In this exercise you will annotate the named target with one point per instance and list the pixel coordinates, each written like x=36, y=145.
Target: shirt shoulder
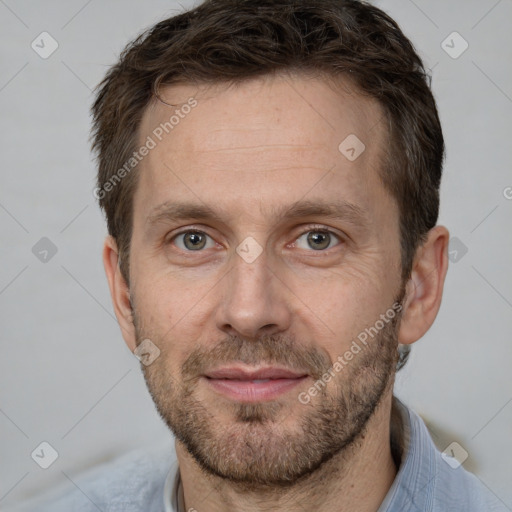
x=458, y=489
x=427, y=482
x=133, y=482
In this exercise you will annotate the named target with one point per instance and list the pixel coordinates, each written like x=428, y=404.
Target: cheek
x=166, y=299
x=340, y=306
x=171, y=317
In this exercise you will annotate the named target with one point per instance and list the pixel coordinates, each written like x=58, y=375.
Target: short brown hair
x=231, y=41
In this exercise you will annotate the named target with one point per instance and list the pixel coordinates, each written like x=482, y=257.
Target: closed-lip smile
x=246, y=384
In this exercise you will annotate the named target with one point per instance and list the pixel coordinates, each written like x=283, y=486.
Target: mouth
x=245, y=384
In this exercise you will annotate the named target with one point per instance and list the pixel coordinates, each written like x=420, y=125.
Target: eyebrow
x=337, y=210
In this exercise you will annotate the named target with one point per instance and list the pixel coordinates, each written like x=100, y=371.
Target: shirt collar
x=412, y=487
x=173, y=490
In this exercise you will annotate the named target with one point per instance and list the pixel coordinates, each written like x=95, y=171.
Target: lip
x=241, y=373
x=253, y=385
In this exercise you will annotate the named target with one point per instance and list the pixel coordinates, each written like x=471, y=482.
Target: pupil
x=321, y=240
x=194, y=239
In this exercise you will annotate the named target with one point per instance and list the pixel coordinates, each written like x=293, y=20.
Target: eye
x=317, y=239
x=192, y=240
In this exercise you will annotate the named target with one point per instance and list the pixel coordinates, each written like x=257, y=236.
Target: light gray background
x=66, y=376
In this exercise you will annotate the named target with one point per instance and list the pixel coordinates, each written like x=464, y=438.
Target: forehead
x=272, y=137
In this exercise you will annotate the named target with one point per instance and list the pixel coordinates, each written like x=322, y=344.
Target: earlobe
x=424, y=289
x=119, y=292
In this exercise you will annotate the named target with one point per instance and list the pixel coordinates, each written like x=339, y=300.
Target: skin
x=246, y=151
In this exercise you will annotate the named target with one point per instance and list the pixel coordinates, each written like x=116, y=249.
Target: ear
x=424, y=289
x=119, y=291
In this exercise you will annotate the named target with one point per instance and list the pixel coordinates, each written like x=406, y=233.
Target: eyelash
x=310, y=229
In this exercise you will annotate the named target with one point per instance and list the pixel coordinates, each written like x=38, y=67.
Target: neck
x=357, y=479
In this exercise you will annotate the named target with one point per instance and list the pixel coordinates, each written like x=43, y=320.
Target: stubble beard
x=254, y=449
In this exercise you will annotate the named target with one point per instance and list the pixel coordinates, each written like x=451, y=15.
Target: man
x=270, y=175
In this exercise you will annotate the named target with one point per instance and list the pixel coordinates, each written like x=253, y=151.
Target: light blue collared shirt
x=426, y=482
x=149, y=481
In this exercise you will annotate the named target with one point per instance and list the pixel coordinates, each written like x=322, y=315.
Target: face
x=262, y=253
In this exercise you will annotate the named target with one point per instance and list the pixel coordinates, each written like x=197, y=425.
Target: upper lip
x=237, y=373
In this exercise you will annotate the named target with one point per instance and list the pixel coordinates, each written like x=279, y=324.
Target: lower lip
x=249, y=391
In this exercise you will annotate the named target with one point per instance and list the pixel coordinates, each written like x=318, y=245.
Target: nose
x=253, y=300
